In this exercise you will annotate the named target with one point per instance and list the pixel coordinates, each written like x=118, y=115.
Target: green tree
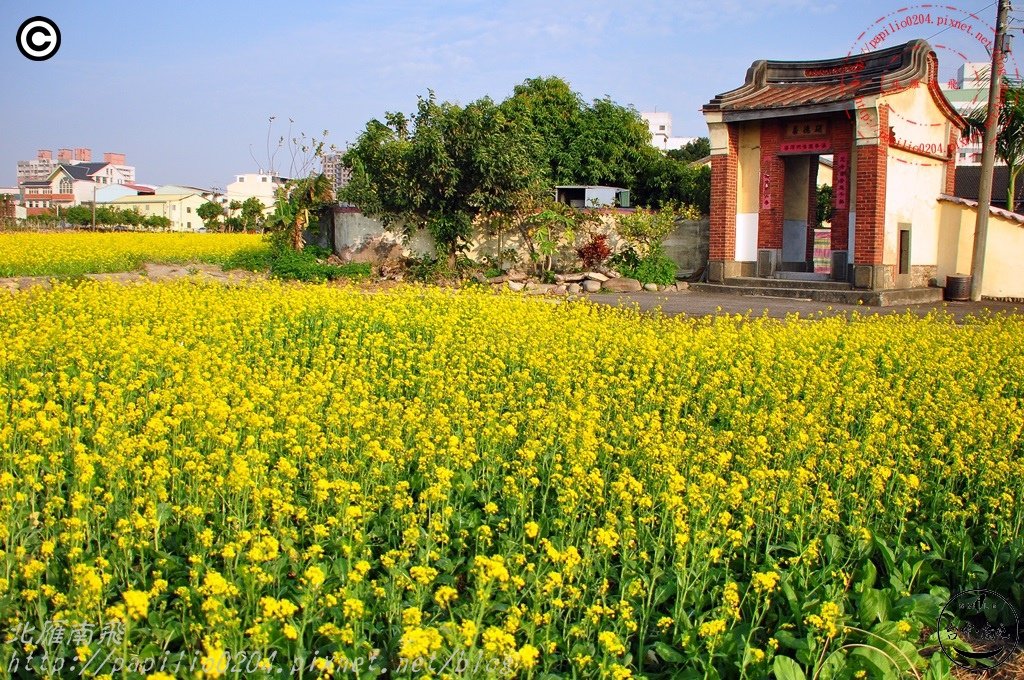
x=599, y=143
x=692, y=151
x=443, y=169
x=252, y=214
x=297, y=202
x=211, y=213
x=1009, y=139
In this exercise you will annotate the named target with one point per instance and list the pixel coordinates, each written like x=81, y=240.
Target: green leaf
x=874, y=606
x=938, y=667
x=869, y=573
x=787, y=669
x=668, y=653
x=790, y=641
x=877, y=664
x=833, y=667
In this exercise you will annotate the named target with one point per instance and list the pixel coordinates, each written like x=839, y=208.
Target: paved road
x=703, y=304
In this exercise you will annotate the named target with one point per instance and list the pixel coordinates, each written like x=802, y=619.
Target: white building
x=660, y=125
x=181, y=209
x=258, y=184
x=968, y=93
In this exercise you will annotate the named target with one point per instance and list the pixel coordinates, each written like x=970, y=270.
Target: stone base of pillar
x=873, y=276
x=769, y=260
x=720, y=270
x=840, y=260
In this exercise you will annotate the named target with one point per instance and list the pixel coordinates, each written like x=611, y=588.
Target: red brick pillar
x=842, y=150
x=954, y=141
x=872, y=163
x=771, y=210
x=722, y=228
x=812, y=208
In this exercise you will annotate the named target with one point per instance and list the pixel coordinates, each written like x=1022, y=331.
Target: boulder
x=559, y=289
x=682, y=285
x=513, y=275
x=596, y=276
x=651, y=287
x=516, y=286
x=591, y=286
x=569, y=278
x=538, y=288
x=623, y=285
x=574, y=288
x=498, y=279
x=612, y=274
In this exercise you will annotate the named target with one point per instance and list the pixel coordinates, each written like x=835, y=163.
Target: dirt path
x=149, y=272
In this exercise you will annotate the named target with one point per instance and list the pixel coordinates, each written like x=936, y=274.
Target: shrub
x=654, y=267
x=595, y=251
x=286, y=263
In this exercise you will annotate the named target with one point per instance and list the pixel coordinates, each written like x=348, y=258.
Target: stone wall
x=363, y=238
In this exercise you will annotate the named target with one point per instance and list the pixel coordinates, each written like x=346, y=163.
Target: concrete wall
x=687, y=246
x=1004, y=254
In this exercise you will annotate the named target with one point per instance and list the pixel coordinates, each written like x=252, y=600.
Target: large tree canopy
x=448, y=165
x=443, y=168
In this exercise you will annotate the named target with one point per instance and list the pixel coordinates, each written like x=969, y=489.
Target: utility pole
x=988, y=153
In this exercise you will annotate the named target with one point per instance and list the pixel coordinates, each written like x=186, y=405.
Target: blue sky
x=186, y=89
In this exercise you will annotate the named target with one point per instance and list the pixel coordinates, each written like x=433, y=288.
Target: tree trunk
x=452, y=256
x=297, y=226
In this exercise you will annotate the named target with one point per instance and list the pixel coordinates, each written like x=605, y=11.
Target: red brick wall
x=771, y=210
x=722, y=229
x=842, y=142
x=871, y=184
x=954, y=138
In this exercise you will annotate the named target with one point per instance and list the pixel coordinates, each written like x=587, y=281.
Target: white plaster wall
x=1004, y=252
x=746, y=237
x=912, y=183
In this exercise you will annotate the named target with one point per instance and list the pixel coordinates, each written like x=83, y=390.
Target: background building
x=336, y=171
x=43, y=165
x=660, y=125
x=254, y=184
x=180, y=209
x=968, y=93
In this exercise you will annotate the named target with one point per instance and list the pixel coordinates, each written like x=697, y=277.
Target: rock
x=559, y=289
x=513, y=275
x=595, y=276
x=479, y=278
x=497, y=287
x=682, y=285
x=498, y=279
x=671, y=288
x=574, y=288
x=516, y=285
x=623, y=285
x=538, y=288
x=591, y=286
x=651, y=287
x=569, y=278
x=612, y=274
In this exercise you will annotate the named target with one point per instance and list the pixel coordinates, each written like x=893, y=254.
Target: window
x=263, y=179
x=188, y=210
x=661, y=127
x=904, y=248
x=241, y=179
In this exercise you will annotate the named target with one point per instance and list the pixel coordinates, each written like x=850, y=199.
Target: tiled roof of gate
x=775, y=85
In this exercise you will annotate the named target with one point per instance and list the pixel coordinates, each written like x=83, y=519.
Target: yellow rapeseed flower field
x=76, y=253
x=304, y=481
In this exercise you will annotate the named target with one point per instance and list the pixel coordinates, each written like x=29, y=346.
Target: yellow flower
x=137, y=603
